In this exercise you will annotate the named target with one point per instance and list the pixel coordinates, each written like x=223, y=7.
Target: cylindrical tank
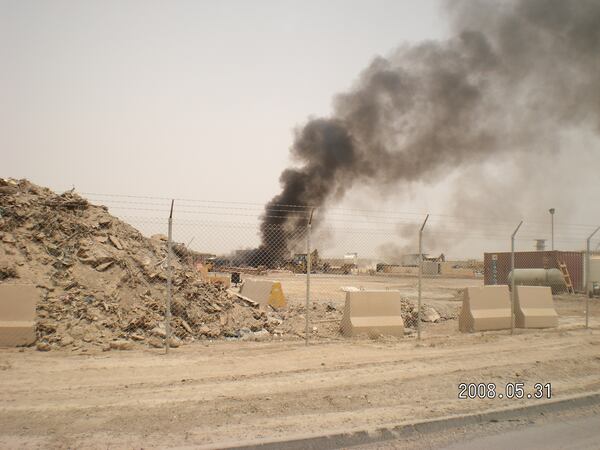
x=539, y=277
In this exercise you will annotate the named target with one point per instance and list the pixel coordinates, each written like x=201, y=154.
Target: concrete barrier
x=485, y=308
x=17, y=314
x=534, y=307
x=372, y=312
x=264, y=292
x=223, y=279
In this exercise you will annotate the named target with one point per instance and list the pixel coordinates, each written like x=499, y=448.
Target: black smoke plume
x=513, y=76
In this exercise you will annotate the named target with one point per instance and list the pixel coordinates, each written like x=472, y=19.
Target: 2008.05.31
x=509, y=391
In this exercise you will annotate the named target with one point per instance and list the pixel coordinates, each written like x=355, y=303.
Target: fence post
x=588, y=290
x=169, y=281
x=512, y=278
x=420, y=277
x=308, y=269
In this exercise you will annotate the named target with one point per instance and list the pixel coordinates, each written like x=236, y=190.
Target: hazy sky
x=199, y=99
x=180, y=98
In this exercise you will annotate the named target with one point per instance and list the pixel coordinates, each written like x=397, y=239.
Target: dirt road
x=230, y=391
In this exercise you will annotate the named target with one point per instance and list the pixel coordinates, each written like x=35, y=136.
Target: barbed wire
x=260, y=208
x=489, y=230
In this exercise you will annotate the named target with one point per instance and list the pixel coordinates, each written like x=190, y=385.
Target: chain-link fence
x=226, y=270
x=353, y=274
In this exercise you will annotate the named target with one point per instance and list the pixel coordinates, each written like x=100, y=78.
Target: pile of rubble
x=102, y=282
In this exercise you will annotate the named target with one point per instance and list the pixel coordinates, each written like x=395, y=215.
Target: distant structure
x=540, y=245
x=351, y=258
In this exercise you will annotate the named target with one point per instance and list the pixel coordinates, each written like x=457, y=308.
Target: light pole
x=551, y=211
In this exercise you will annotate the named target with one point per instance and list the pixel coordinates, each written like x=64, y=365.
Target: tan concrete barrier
x=372, y=312
x=485, y=308
x=534, y=307
x=223, y=279
x=264, y=292
x=17, y=314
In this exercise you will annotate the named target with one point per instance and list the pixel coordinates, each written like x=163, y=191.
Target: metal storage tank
x=552, y=278
x=594, y=271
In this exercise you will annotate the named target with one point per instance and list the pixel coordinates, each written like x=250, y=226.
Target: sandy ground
x=444, y=294
x=326, y=287
x=222, y=392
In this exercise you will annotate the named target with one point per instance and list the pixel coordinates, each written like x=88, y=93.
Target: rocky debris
x=103, y=283
x=429, y=313
x=248, y=335
x=7, y=271
x=102, y=267
x=8, y=238
x=66, y=340
x=43, y=347
x=121, y=344
x=115, y=241
x=156, y=342
x=447, y=311
x=8, y=186
x=174, y=342
x=159, y=331
x=329, y=306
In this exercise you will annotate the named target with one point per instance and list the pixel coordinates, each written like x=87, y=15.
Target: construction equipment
x=565, y=272
x=209, y=263
x=340, y=269
x=299, y=261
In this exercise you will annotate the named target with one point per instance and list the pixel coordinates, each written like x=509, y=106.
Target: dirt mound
x=102, y=281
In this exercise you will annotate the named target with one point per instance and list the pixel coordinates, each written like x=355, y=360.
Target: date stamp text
x=509, y=391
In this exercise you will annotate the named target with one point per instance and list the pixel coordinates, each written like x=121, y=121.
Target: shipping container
x=497, y=265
